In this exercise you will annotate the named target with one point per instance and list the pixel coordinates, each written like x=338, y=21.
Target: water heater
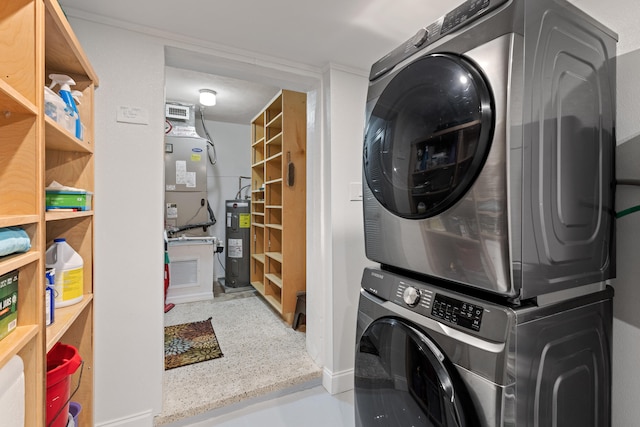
x=237, y=251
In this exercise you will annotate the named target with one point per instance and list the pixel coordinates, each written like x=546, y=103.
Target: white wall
x=129, y=209
x=346, y=95
x=128, y=226
x=626, y=327
x=233, y=150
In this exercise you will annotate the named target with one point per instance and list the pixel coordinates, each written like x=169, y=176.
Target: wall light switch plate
x=355, y=191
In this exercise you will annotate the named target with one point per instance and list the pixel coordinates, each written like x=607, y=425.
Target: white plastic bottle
x=65, y=83
x=69, y=266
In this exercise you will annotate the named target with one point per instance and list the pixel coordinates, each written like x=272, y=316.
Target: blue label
x=197, y=150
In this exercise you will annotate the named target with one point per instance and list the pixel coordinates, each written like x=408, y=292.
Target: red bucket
x=62, y=362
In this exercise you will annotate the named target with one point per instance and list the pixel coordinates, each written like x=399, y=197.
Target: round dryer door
x=428, y=136
x=402, y=379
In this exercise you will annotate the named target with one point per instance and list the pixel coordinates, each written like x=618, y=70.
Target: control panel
x=454, y=20
x=413, y=296
x=442, y=307
x=451, y=310
x=438, y=303
x=462, y=14
x=457, y=312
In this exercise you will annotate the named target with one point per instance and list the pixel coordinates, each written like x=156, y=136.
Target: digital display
x=462, y=13
x=457, y=312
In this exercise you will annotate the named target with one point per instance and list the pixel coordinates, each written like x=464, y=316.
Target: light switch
x=355, y=191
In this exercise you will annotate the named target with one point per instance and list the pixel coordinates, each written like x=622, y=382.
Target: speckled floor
x=262, y=354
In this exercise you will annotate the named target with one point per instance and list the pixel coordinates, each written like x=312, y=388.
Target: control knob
x=411, y=296
x=420, y=37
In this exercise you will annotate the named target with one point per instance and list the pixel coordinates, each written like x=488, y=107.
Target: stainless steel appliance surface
x=186, y=198
x=489, y=148
x=427, y=355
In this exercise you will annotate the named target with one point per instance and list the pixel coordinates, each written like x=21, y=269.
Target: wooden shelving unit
x=34, y=150
x=278, y=253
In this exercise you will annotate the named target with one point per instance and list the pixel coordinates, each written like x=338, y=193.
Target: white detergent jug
x=69, y=267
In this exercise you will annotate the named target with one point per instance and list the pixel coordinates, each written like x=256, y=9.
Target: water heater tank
x=237, y=250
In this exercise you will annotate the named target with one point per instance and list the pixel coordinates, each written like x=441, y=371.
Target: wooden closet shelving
x=34, y=150
x=278, y=224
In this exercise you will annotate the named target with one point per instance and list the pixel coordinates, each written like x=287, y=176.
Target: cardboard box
x=59, y=199
x=8, y=303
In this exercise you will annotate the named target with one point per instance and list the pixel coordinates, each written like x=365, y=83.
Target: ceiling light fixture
x=208, y=97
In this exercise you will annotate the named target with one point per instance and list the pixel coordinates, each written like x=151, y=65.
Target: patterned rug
x=190, y=343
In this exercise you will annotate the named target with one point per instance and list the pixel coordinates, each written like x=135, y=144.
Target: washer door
x=402, y=379
x=428, y=136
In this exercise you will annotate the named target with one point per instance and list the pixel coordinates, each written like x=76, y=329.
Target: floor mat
x=190, y=343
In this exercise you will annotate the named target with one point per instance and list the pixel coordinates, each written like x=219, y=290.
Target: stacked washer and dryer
x=488, y=188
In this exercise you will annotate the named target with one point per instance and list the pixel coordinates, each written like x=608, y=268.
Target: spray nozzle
x=76, y=94
x=61, y=79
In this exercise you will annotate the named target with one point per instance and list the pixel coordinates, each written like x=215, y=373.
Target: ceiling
x=238, y=101
x=311, y=34
x=300, y=33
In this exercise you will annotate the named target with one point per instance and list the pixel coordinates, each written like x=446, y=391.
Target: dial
x=411, y=296
x=420, y=37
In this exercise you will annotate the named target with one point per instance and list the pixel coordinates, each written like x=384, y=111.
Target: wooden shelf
x=15, y=220
x=64, y=319
x=276, y=157
x=70, y=161
x=259, y=286
x=279, y=134
x=275, y=279
x=274, y=255
x=34, y=150
x=276, y=121
x=14, y=102
x=13, y=343
x=63, y=51
x=258, y=257
x=58, y=216
x=15, y=262
x=59, y=139
x=275, y=140
x=274, y=302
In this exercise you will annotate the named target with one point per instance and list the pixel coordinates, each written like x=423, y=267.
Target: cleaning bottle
x=69, y=268
x=65, y=83
x=76, y=95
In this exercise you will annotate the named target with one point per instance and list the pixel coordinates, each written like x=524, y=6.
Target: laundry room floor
x=262, y=355
x=311, y=407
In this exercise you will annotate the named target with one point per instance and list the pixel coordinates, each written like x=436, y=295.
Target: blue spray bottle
x=65, y=83
x=76, y=94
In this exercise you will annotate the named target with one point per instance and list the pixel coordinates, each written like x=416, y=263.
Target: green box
x=8, y=303
x=80, y=200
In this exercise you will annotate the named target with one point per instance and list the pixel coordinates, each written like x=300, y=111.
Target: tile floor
x=311, y=407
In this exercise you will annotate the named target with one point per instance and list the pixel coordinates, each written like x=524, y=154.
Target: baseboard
x=337, y=382
x=190, y=297
x=142, y=419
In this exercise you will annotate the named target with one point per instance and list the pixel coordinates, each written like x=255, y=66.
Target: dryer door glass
x=428, y=136
x=402, y=379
